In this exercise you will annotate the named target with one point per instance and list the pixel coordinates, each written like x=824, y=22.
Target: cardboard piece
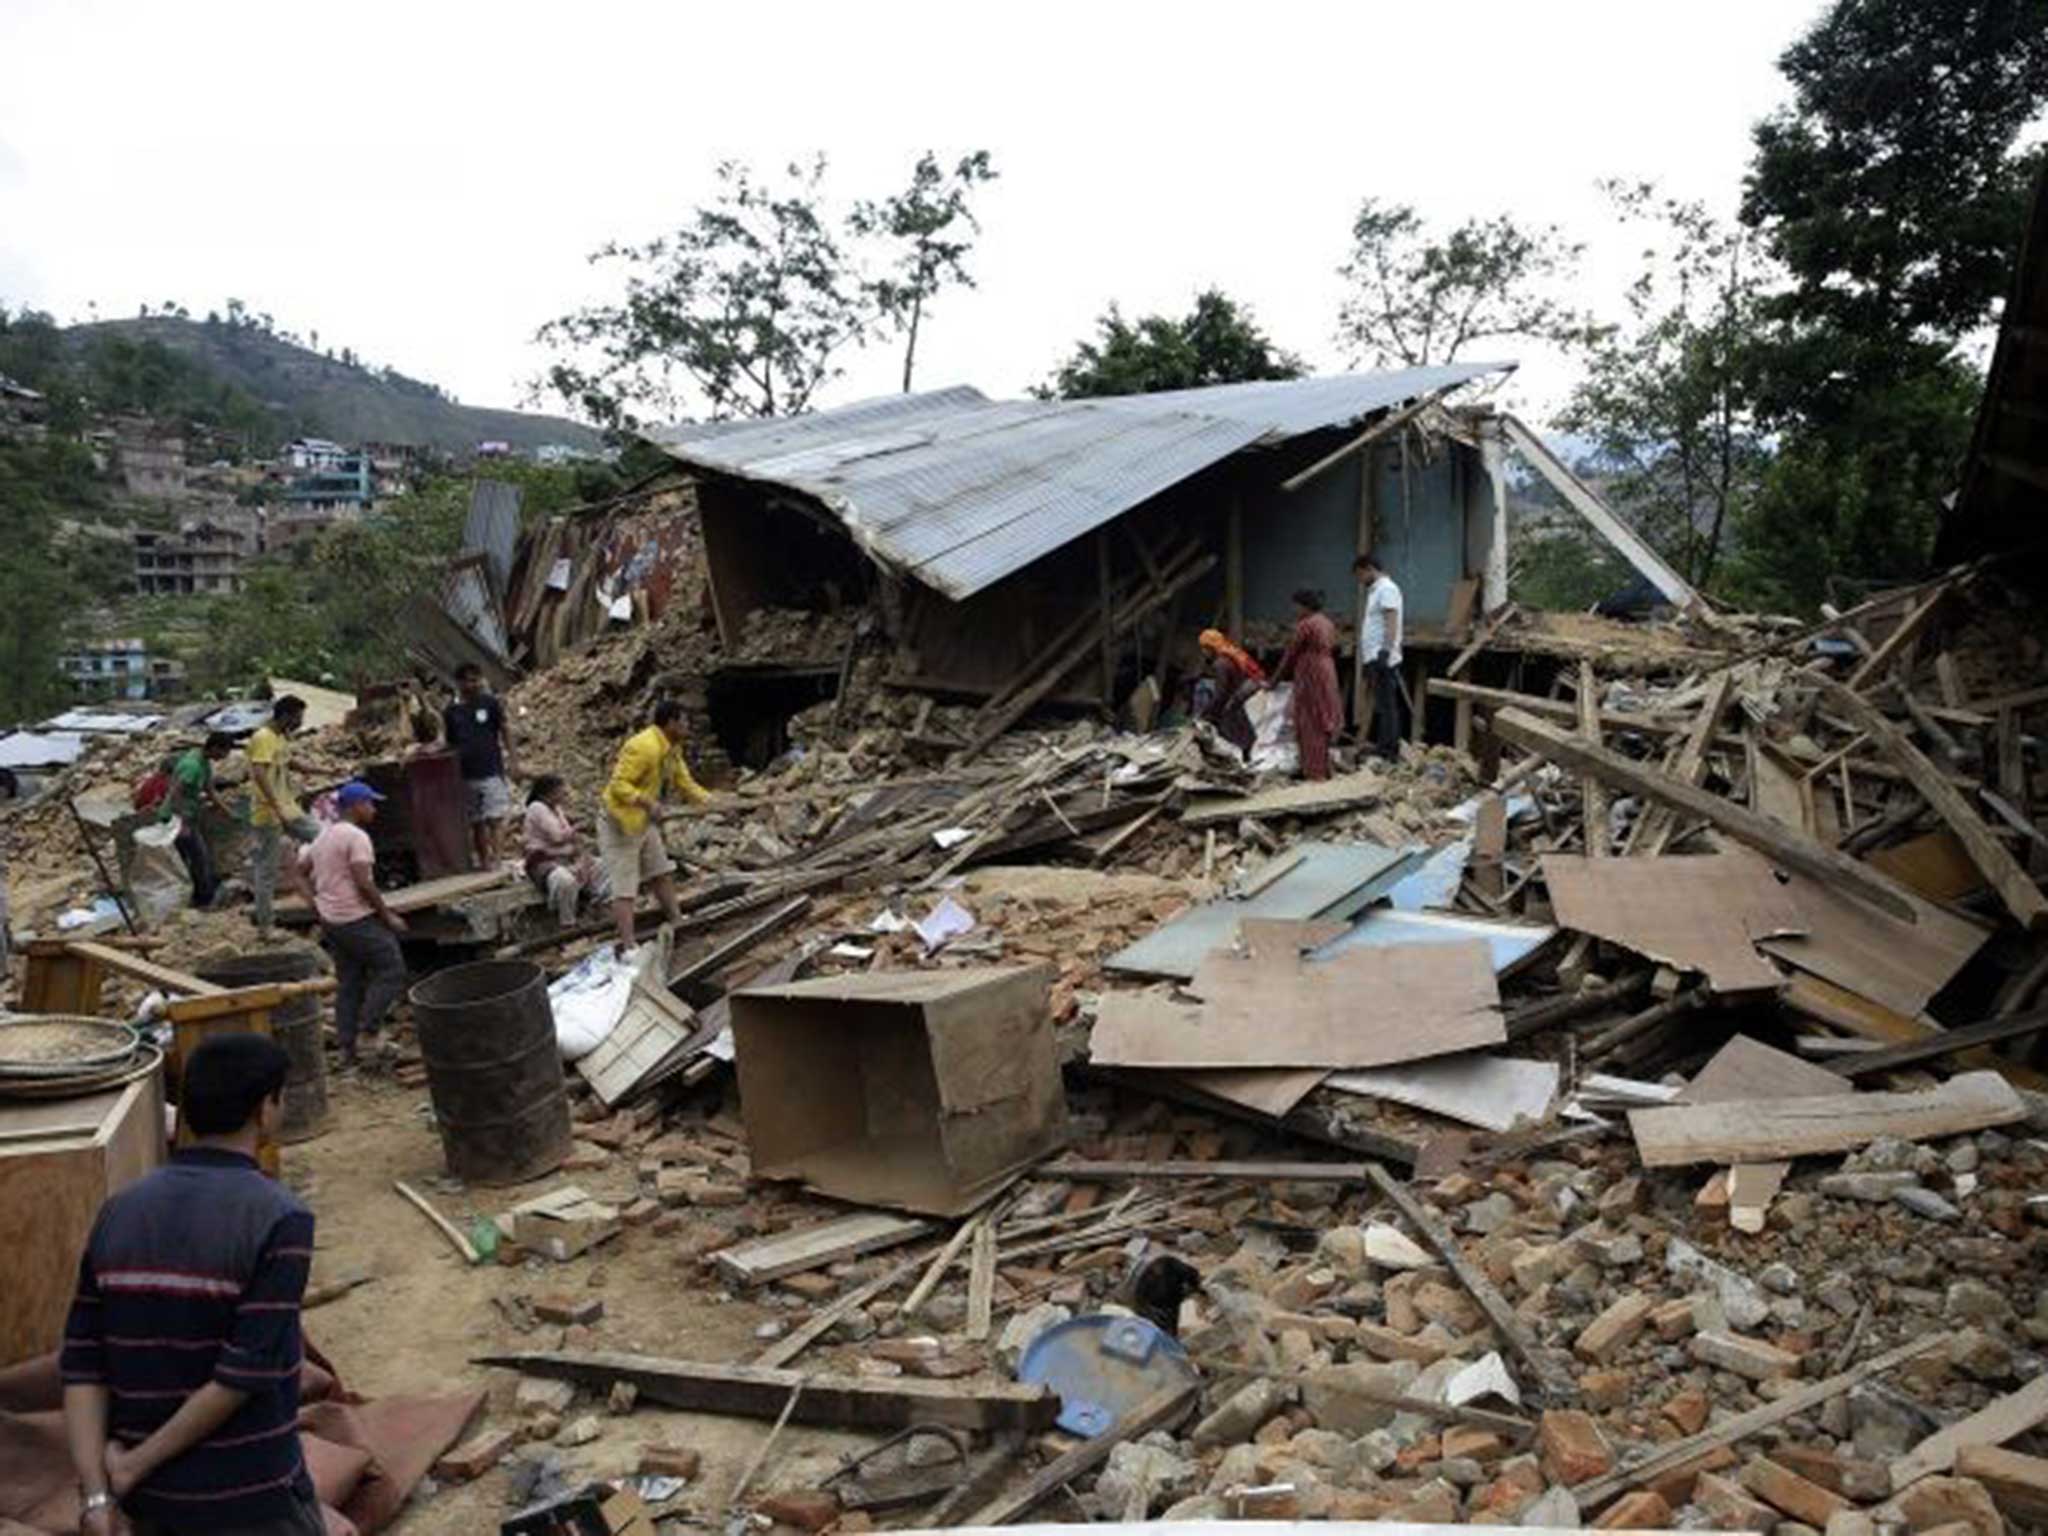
x=1266, y=1092
x=925, y=1090
x=1492, y=1092
x=1744, y=1070
x=1367, y=1007
x=1700, y=914
x=1889, y=961
x=1774, y=1129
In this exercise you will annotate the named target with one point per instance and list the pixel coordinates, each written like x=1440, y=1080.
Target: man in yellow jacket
x=629, y=837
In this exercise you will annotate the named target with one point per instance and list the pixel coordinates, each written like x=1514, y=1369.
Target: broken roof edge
x=959, y=491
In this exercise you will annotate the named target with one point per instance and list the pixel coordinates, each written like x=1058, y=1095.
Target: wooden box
x=58, y=1161
x=925, y=1090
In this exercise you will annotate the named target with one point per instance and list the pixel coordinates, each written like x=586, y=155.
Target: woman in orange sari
x=1311, y=662
x=1233, y=677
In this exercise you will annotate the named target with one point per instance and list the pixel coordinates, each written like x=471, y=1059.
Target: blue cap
x=355, y=792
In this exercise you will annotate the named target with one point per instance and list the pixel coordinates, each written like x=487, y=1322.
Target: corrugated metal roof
x=959, y=490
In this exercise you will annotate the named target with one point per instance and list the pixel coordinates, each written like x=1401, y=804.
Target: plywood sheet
x=1492, y=1092
x=1332, y=880
x=1782, y=1128
x=1702, y=914
x=1886, y=959
x=1365, y=1008
x=1264, y=1091
x=1934, y=864
x=1746, y=1069
x=1310, y=797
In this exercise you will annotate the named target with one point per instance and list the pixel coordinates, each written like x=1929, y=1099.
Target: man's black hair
x=1367, y=562
x=218, y=741
x=544, y=785
x=667, y=712
x=468, y=670
x=1310, y=598
x=287, y=704
x=227, y=1080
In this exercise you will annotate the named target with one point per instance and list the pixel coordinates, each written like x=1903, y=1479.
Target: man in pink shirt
x=362, y=932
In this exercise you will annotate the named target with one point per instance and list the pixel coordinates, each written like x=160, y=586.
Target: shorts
x=489, y=799
x=631, y=857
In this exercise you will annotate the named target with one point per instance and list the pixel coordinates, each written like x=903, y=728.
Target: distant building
x=200, y=560
x=312, y=453
x=122, y=669
x=494, y=450
x=345, y=493
x=563, y=453
x=391, y=466
x=151, y=457
x=22, y=410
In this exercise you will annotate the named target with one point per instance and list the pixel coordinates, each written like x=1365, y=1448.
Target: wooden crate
x=58, y=1161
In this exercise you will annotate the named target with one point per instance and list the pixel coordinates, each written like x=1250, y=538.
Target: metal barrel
x=488, y=1037
x=295, y=1024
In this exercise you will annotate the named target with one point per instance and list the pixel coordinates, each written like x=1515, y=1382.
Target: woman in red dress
x=1311, y=661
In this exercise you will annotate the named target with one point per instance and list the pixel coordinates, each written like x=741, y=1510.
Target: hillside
x=329, y=398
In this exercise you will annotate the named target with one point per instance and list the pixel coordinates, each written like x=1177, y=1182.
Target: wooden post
x=1593, y=801
x=1102, y=586
x=1233, y=567
x=55, y=980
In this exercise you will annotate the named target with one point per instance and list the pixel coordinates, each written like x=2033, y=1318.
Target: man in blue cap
x=362, y=932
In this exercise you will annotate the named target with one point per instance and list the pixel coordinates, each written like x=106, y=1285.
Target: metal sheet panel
x=960, y=491
x=26, y=749
x=1332, y=880
x=492, y=527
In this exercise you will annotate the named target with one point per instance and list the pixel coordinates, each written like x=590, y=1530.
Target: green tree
x=1892, y=189
x=1666, y=398
x=746, y=307
x=1216, y=342
x=926, y=229
x=1418, y=297
x=39, y=597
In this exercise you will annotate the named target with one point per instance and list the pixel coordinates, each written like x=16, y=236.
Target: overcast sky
x=422, y=182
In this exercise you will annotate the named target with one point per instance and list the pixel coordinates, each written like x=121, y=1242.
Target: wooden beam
x=1552, y=1380
x=1994, y=1424
x=1592, y=802
x=1769, y=1130
x=1260, y=1172
x=1164, y=1407
x=1789, y=848
x=1482, y=637
x=848, y=1402
x=2022, y=897
x=786, y=1349
x=140, y=968
x=761, y=1259
x=1592, y=1495
x=739, y=944
x=1654, y=828
x=1369, y=436
x=1633, y=549
x=981, y=1282
x=1947, y=1042
x=1878, y=663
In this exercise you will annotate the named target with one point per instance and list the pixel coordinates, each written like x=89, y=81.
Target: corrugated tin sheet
x=959, y=490
x=26, y=749
x=492, y=526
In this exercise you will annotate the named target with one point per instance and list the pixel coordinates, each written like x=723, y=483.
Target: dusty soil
x=417, y=1325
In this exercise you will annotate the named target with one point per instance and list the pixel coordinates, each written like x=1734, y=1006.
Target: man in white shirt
x=1379, y=642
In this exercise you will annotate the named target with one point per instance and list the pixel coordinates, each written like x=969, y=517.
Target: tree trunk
x=910, y=349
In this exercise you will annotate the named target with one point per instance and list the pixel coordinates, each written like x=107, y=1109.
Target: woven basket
x=43, y=1045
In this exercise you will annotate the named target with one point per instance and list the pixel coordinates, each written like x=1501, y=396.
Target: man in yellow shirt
x=628, y=833
x=274, y=810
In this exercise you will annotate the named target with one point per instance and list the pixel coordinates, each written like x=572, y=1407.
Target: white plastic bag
x=1272, y=717
x=156, y=875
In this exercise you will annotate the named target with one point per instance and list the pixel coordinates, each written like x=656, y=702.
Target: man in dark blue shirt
x=181, y=1357
x=476, y=729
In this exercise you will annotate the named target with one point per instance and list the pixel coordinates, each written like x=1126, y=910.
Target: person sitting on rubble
x=274, y=809
x=629, y=840
x=1219, y=695
x=1311, y=662
x=182, y=1352
x=556, y=862
x=335, y=872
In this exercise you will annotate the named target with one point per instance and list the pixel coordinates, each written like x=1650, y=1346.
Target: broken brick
x=568, y=1309
x=669, y=1461
x=1804, y=1500
x=1615, y=1328
x=476, y=1455
x=1744, y=1356
x=808, y=1509
x=1574, y=1450
x=1640, y=1510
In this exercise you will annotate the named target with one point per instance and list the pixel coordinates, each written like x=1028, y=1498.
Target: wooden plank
x=786, y=1349
x=442, y=892
x=1745, y=826
x=981, y=1282
x=456, y=1238
x=1564, y=711
x=2001, y=1420
x=1878, y=663
x=1745, y=1070
x=1653, y=830
x=739, y=944
x=140, y=968
x=1840, y=1008
x=1308, y=798
x=1673, y=1136
x=1592, y=802
x=1163, y=1408
x=849, y=1402
x=1591, y=1496
x=1947, y=1042
x=942, y=1261
x=1258, y=1172
x=1481, y=639
x=1934, y=865
x=2018, y=1484
x=1371, y=435
x=762, y=1259
x=1950, y=679
x=1553, y=1381
x=2022, y=897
